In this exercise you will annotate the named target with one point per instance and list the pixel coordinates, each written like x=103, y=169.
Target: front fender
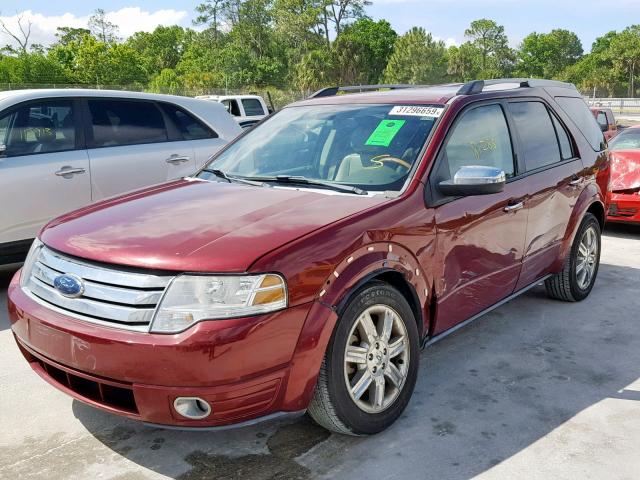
x=361, y=265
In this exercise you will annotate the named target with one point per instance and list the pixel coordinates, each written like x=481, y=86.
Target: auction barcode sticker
x=416, y=111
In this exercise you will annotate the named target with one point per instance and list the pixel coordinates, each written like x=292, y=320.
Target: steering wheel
x=382, y=159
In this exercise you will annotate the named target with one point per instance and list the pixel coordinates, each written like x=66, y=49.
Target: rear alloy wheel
x=575, y=281
x=370, y=367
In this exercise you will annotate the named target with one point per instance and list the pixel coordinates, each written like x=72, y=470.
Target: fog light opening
x=193, y=408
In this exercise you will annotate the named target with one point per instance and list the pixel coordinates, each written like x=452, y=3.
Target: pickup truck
x=247, y=110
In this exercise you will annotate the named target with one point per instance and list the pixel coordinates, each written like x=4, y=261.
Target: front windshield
x=372, y=147
x=626, y=140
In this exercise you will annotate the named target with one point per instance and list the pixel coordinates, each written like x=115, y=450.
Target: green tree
x=625, y=53
x=495, y=58
x=66, y=35
x=547, y=55
x=211, y=13
x=463, y=65
x=101, y=28
x=160, y=49
x=363, y=50
x=167, y=81
x=417, y=59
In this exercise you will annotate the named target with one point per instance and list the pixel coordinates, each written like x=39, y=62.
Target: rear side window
x=252, y=107
x=190, y=128
x=481, y=137
x=40, y=127
x=563, y=137
x=537, y=134
x=577, y=109
x=122, y=122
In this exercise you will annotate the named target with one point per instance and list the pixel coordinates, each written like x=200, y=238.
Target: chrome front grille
x=112, y=296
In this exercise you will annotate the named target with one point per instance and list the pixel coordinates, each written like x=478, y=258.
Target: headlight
x=192, y=298
x=32, y=256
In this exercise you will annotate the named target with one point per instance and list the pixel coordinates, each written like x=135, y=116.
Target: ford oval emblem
x=68, y=285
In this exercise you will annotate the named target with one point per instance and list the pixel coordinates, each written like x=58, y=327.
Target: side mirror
x=474, y=180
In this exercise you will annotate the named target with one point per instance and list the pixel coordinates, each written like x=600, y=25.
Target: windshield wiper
x=233, y=178
x=299, y=180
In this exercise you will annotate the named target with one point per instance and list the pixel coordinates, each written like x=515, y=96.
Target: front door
x=44, y=170
x=480, y=239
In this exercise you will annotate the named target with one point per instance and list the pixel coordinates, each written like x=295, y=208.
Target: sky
x=445, y=19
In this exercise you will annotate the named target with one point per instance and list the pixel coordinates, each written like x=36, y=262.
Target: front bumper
x=624, y=208
x=241, y=367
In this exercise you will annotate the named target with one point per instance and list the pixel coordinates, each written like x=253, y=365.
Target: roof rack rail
x=332, y=91
x=478, y=86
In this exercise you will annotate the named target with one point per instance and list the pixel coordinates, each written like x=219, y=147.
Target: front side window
x=602, y=119
x=480, y=138
x=122, y=122
x=42, y=127
x=373, y=147
x=537, y=134
x=252, y=107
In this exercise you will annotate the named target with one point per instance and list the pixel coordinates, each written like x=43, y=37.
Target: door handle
x=576, y=182
x=514, y=207
x=177, y=159
x=68, y=171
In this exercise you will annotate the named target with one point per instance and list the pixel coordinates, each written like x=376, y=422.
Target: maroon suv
x=307, y=264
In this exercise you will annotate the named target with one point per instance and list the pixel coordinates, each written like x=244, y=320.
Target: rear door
x=554, y=180
x=202, y=139
x=132, y=146
x=480, y=239
x=44, y=171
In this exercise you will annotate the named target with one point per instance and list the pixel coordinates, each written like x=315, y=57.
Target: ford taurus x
x=306, y=265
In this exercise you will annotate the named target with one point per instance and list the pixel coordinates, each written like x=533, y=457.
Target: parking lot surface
x=536, y=389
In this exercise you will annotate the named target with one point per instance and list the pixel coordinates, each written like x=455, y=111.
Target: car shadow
x=484, y=394
x=622, y=230
x=6, y=273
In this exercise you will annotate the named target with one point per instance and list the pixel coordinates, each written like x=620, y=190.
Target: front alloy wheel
x=370, y=368
x=376, y=360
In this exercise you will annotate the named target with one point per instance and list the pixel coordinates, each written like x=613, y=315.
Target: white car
x=247, y=110
x=63, y=149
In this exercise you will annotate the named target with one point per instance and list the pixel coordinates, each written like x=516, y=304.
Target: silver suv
x=63, y=149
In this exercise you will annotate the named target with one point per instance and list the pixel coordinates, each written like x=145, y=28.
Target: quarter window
x=121, y=122
x=577, y=109
x=252, y=107
x=481, y=138
x=42, y=127
x=537, y=134
x=190, y=127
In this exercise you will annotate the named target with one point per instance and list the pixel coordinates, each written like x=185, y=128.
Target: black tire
x=332, y=405
x=564, y=285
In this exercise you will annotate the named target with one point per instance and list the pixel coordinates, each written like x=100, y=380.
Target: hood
x=194, y=225
x=625, y=170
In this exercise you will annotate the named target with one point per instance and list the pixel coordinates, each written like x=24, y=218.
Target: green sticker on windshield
x=385, y=132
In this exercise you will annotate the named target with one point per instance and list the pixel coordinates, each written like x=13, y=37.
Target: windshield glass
x=373, y=147
x=626, y=140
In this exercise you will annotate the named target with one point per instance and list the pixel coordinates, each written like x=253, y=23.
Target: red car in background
x=625, y=177
x=606, y=120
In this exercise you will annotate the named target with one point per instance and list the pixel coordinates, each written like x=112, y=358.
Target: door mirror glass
x=474, y=180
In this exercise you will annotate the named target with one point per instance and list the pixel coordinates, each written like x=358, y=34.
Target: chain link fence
x=617, y=105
